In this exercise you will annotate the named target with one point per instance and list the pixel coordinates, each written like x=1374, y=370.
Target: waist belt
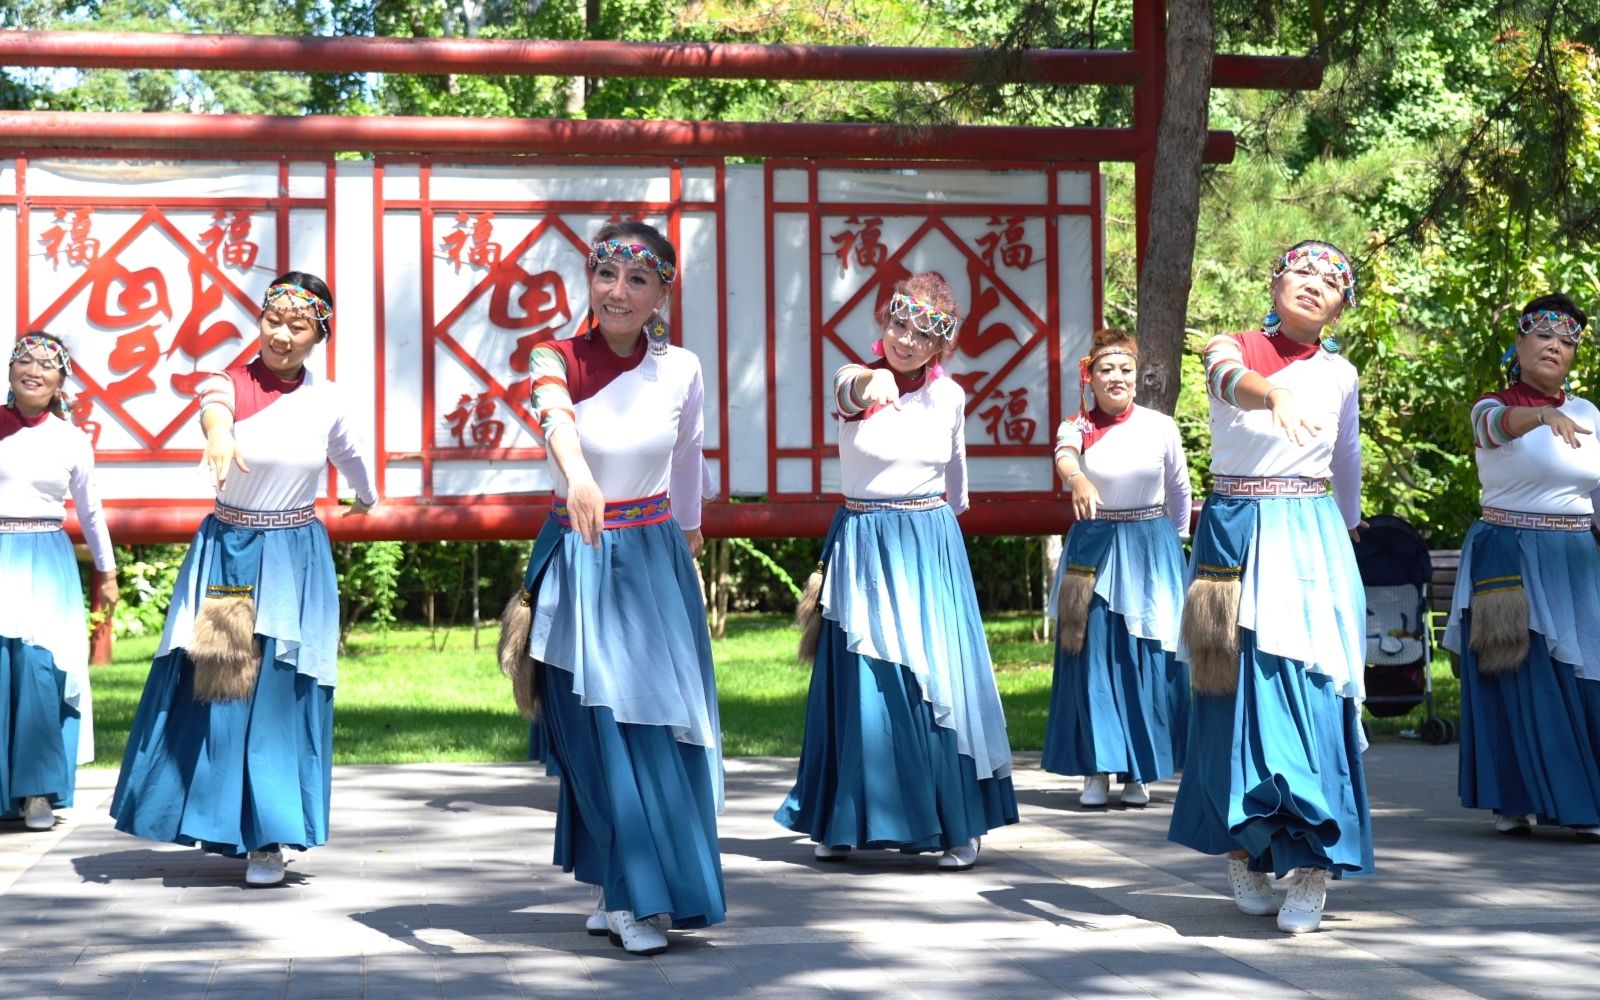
x=1546, y=522
x=905, y=503
x=622, y=513
x=28, y=524
x=1268, y=486
x=296, y=518
x=1136, y=514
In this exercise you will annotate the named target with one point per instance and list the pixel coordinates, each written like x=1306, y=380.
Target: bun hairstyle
x=930, y=289
x=316, y=286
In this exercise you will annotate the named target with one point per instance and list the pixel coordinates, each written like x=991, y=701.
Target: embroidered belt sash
x=296, y=518
x=931, y=502
x=1135, y=514
x=28, y=524
x=1268, y=486
x=1545, y=522
x=622, y=513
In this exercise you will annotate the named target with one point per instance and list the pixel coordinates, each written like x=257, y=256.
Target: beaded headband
x=1327, y=255
x=922, y=317
x=302, y=299
x=1561, y=324
x=632, y=253
x=55, y=356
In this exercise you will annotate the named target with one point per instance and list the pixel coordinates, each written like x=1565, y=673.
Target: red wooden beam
x=491, y=521
x=515, y=57
x=480, y=136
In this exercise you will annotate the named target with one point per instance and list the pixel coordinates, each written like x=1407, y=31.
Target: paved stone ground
x=436, y=885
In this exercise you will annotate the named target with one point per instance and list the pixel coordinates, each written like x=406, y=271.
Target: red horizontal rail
x=491, y=521
x=544, y=57
x=440, y=135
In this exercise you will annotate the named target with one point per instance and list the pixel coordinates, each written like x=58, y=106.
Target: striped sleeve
x=552, y=400
x=1489, y=423
x=216, y=389
x=847, y=401
x=1224, y=362
x=1069, y=437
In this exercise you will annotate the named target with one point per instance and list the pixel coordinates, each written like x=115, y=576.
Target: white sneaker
x=1096, y=791
x=1135, y=794
x=636, y=937
x=596, y=922
x=37, y=814
x=959, y=859
x=1302, y=910
x=1588, y=834
x=1252, y=891
x=1512, y=823
x=264, y=868
x=822, y=852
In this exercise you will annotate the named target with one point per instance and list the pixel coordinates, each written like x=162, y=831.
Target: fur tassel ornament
x=1500, y=625
x=516, y=626
x=808, y=615
x=1211, y=631
x=224, y=650
x=1072, y=607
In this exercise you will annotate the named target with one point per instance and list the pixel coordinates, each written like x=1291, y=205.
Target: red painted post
x=1150, y=45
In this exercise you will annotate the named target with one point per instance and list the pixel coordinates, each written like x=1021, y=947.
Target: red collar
x=1523, y=394
x=12, y=421
x=1100, y=422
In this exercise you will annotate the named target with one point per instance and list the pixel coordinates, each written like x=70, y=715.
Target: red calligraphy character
x=863, y=243
x=977, y=338
x=210, y=240
x=456, y=241
x=541, y=303
x=457, y=418
x=83, y=248
x=143, y=294
x=82, y=411
x=241, y=251
x=1019, y=427
x=486, y=431
x=54, y=237
x=135, y=353
x=485, y=252
x=1006, y=237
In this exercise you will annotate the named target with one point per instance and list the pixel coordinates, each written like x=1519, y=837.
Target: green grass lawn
x=401, y=701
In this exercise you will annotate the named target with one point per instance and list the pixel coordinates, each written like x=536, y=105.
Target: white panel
x=309, y=180
x=402, y=479
x=1075, y=240
x=401, y=181
x=152, y=178
x=8, y=176
x=700, y=299
x=462, y=479
x=1073, y=187
x=166, y=480
x=535, y=182
x=925, y=185
x=794, y=475
x=8, y=270
x=1007, y=475
x=699, y=184
x=747, y=332
x=355, y=318
x=791, y=186
x=402, y=334
x=832, y=478
x=797, y=384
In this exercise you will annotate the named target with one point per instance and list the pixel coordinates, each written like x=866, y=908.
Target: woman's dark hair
x=1555, y=302
x=638, y=232
x=58, y=403
x=316, y=286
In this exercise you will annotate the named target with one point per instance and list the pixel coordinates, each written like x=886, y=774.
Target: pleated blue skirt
x=1530, y=738
x=38, y=729
x=230, y=777
x=876, y=769
x=637, y=807
x=1120, y=706
x=1275, y=770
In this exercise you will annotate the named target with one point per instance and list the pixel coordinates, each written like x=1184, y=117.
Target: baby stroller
x=1395, y=572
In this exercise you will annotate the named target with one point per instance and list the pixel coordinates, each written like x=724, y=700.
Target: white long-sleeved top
x=1136, y=462
x=39, y=467
x=288, y=445
x=641, y=429
x=1540, y=473
x=1246, y=442
x=917, y=449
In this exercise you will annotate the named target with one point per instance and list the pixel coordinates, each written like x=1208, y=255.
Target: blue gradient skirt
x=637, y=807
x=239, y=776
x=1276, y=770
x=38, y=729
x=876, y=769
x=1120, y=706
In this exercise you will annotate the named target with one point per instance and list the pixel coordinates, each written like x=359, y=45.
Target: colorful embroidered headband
x=55, y=353
x=1561, y=324
x=1329, y=256
x=922, y=317
x=303, y=300
x=633, y=253
x=1087, y=361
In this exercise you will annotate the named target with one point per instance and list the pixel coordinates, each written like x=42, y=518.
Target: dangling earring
x=656, y=333
x=1272, y=323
